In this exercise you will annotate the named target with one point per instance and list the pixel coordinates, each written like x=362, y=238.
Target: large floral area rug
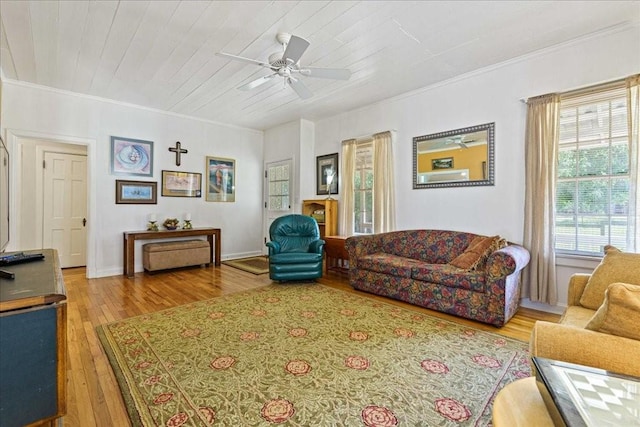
x=307, y=355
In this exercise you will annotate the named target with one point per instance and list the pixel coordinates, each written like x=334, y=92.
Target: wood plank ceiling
x=161, y=54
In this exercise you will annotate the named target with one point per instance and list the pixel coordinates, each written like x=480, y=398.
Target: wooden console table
x=33, y=343
x=130, y=238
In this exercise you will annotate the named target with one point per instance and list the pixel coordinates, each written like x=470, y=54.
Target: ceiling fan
x=459, y=141
x=286, y=64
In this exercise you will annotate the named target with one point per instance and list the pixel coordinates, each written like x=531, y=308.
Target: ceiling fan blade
x=257, y=82
x=326, y=73
x=300, y=88
x=295, y=48
x=243, y=59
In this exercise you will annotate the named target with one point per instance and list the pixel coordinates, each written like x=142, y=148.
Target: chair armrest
x=316, y=246
x=577, y=283
x=585, y=347
x=274, y=247
x=506, y=261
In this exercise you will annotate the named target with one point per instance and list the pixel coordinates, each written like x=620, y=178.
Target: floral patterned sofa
x=414, y=266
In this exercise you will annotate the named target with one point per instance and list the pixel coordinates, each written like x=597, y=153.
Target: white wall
x=36, y=111
x=492, y=95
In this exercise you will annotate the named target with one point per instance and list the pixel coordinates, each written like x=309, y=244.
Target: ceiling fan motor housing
x=276, y=61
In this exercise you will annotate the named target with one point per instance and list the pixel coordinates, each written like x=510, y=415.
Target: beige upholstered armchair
x=570, y=341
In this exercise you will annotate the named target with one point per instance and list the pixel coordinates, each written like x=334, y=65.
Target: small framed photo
x=181, y=184
x=327, y=174
x=131, y=156
x=444, y=163
x=221, y=179
x=136, y=192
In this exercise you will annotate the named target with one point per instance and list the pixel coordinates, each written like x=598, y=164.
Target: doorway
x=51, y=198
x=277, y=192
x=64, y=218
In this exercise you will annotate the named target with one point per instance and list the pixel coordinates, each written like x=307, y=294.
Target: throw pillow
x=476, y=253
x=616, y=266
x=619, y=314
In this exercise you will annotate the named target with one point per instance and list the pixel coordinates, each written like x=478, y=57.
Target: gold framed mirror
x=456, y=158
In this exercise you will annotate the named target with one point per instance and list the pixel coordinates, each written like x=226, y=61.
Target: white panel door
x=278, y=179
x=65, y=207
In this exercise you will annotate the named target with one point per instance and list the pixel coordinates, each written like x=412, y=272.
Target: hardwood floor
x=93, y=396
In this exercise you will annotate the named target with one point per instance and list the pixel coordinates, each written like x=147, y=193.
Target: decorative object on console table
x=131, y=156
x=329, y=225
x=33, y=343
x=181, y=184
x=221, y=180
x=327, y=174
x=171, y=223
x=152, y=225
x=187, y=222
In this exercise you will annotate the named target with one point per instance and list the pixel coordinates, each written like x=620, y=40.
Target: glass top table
x=577, y=395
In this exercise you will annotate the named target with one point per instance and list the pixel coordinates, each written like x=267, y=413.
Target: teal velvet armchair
x=295, y=249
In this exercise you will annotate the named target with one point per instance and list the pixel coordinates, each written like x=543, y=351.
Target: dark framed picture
x=136, y=192
x=181, y=184
x=131, y=156
x=221, y=179
x=327, y=174
x=444, y=163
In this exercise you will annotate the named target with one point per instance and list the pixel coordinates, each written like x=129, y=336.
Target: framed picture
x=136, y=192
x=327, y=174
x=444, y=163
x=181, y=184
x=131, y=156
x=221, y=179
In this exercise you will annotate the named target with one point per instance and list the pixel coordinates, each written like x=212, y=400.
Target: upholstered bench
x=174, y=254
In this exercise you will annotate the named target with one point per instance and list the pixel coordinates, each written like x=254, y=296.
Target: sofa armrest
x=358, y=246
x=506, y=261
x=577, y=283
x=585, y=347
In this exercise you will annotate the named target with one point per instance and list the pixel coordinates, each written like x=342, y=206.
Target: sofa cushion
x=476, y=254
x=577, y=316
x=619, y=314
x=432, y=246
x=387, y=264
x=450, y=276
x=616, y=266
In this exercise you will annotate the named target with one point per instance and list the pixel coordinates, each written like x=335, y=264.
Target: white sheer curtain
x=348, y=169
x=384, y=205
x=541, y=147
x=632, y=84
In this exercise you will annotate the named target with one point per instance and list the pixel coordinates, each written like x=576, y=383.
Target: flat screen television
x=4, y=196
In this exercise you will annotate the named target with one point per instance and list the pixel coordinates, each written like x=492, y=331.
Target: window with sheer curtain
x=594, y=182
x=368, y=203
x=363, y=190
x=582, y=164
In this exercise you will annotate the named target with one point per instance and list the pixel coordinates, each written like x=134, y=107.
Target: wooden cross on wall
x=178, y=152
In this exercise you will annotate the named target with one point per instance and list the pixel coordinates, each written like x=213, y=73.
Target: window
x=593, y=174
x=363, y=190
x=368, y=203
x=278, y=181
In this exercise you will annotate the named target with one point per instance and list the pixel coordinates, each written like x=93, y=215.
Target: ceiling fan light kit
x=287, y=63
